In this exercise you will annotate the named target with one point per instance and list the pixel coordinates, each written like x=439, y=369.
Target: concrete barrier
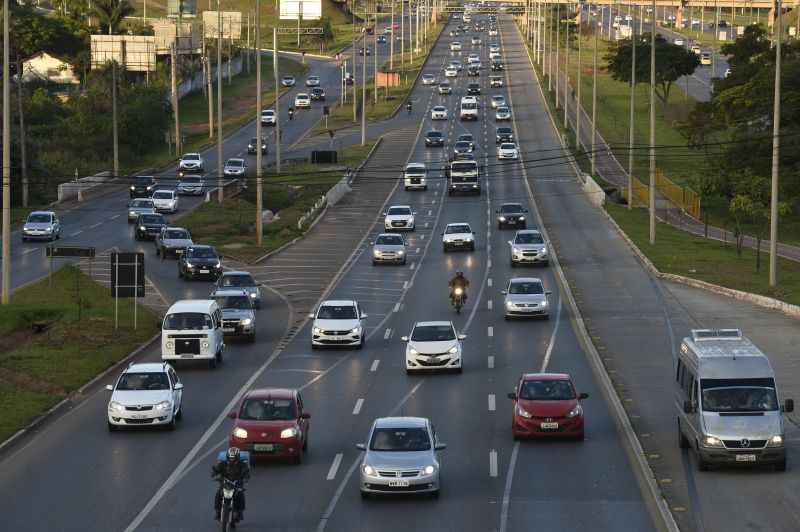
x=593, y=191
x=84, y=186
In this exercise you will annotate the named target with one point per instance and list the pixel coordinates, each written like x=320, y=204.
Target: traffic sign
x=69, y=251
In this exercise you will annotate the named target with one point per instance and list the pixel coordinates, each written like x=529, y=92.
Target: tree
x=110, y=13
x=672, y=63
x=32, y=33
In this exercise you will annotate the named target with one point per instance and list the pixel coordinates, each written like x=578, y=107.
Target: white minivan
x=192, y=330
x=414, y=176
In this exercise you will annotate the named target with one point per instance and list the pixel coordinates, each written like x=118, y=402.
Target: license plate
x=203, y=271
x=549, y=426
x=264, y=447
x=745, y=458
x=187, y=356
x=179, y=252
x=139, y=416
x=399, y=484
x=228, y=330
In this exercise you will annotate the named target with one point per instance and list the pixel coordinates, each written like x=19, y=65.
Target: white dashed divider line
x=30, y=250
x=375, y=363
x=490, y=361
x=115, y=217
x=387, y=334
x=489, y=304
x=489, y=282
x=490, y=331
x=98, y=224
x=357, y=408
x=493, y=463
x=413, y=265
x=491, y=402
x=397, y=306
x=337, y=461
x=76, y=233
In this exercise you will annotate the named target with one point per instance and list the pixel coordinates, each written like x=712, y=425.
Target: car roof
x=432, y=323
x=401, y=422
x=236, y=272
x=415, y=165
x=42, y=212
x=546, y=376
x=529, y=232
x=525, y=280
x=170, y=227
x=192, y=305
x=200, y=246
x=276, y=393
x=400, y=206
x=338, y=302
x=145, y=367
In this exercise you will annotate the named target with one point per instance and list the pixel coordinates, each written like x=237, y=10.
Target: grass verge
x=39, y=370
x=230, y=225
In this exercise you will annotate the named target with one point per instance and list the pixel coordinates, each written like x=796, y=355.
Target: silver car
x=235, y=167
x=529, y=247
x=238, y=315
x=389, y=247
x=243, y=281
x=526, y=296
x=191, y=184
x=172, y=241
x=401, y=456
x=41, y=225
x=139, y=206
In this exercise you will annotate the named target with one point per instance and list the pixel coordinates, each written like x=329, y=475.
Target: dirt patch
x=26, y=382
x=15, y=340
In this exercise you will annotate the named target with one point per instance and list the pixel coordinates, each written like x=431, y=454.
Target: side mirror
x=404, y=338
x=179, y=386
x=440, y=446
x=361, y=446
x=504, y=292
x=524, y=210
x=305, y=415
x=509, y=242
x=788, y=406
x=232, y=414
x=364, y=316
x=110, y=388
x=311, y=315
x=687, y=407
x=512, y=396
x=384, y=214
x=462, y=336
x=583, y=396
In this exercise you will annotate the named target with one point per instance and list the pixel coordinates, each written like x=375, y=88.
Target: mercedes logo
x=745, y=442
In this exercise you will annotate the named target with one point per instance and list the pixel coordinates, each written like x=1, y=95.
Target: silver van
x=727, y=401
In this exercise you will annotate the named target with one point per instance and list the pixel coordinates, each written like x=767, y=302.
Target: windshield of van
x=183, y=321
x=463, y=167
x=143, y=381
x=337, y=312
x=739, y=395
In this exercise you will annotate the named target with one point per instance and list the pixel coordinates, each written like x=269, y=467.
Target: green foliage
x=31, y=33
x=110, y=13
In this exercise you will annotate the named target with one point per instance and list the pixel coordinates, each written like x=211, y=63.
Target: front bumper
x=389, y=257
x=194, y=191
x=395, y=226
x=168, y=208
x=203, y=271
x=532, y=428
x=419, y=484
x=38, y=235
x=527, y=312
x=145, y=418
x=532, y=258
x=288, y=448
x=466, y=189
x=192, y=168
x=235, y=328
x=323, y=338
x=458, y=244
x=766, y=455
x=444, y=361
x=415, y=182
x=434, y=142
x=510, y=156
x=439, y=117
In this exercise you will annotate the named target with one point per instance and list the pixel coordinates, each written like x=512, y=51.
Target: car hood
x=432, y=348
x=389, y=247
x=234, y=169
x=548, y=408
x=190, y=163
x=526, y=298
x=203, y=261
x=753, y=427
x=190, y=184
x=152, y=224
x=337, y=325
x=237, y=314
x=400, y=460
x=529, y=247
x=393, y=217
x=457, y=236
x=164, y=201
x=38, y=226
x=177, y=242
x=141, y=397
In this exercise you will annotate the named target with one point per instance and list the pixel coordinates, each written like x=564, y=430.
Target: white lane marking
x=396, y=307
x=115, y=217
x=426, y=224
x=491, y=402
x=337, y=460
x=413, y=265
x=422, y=237
x=30, y=250
x=489, y=281
x=489, y=263
x=416, y=251
x=98, y=224
x=359, y=404
x=490, y=331
x=489, y=304
x=492, y=463
x=76, y=233
x=375, y=363
x=387, y=334
x=507, y=490
x=405, y=285
x=550, y=345
x=490, y=361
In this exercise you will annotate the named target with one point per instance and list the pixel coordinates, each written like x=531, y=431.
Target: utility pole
x=22, y=148
x=631, y=132
x=220, y=192
x=391, y=40
x=259, y=198
x=375, y=59
x=558, y=49
x=652, y=191
x=210, y=91
x=364, y=90
x=597, y=29
x=579, y=105
x=173, y=68
x=548, y=61
x=402, y=37
x=114, y=125
x=566, y=72
x=6, y=296
x=277, y=101
x=776, y=151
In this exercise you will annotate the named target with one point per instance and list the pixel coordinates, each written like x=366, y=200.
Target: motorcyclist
x=408, y=107
x=291, y=113
x=232, y=468
x=459, y=281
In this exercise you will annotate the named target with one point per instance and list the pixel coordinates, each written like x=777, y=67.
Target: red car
x=546, y=405
x=271, y=423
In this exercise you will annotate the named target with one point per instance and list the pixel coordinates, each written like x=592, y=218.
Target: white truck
x=469, y=108
x=463, y=176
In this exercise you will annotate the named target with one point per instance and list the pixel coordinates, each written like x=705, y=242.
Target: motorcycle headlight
x=291, y=432
x=247, y=321
x=453, y=350
x=227, y=493
x=170, y=345
x=205, y=345
x=502, y=218
x=163, y=405
x=775, y=441
x=369, y=470
x=240, y=433
x=712, y=441
x=115, y=406
x=141, y=228
x=575, y=412
x=524, y=413
x=459, y=291
x=317, y=330
x=189, y=265
x=429, y=470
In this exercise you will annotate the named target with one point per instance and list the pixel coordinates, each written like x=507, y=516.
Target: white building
x=46, y=67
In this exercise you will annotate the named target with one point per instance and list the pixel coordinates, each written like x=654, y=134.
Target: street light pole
x=220, y=193
x=597, y=28
x=558, y=49
x=277, y=100
x=6, y=296
x=776, y=151
x=652, y=191
x=579, y=105
x=259, y=191
x=364, y=90
x=631, y=132
x=391, y=41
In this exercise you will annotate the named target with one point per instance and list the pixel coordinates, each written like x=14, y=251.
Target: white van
x=727, y=402
x=469, y=108
x=192, y=330
x=414, y=176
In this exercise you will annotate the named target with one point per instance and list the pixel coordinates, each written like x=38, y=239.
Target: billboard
x=136, y=53
x=301, y=9
x=189, y=40
x=231, y=24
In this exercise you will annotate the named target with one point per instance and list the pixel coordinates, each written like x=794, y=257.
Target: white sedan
x=450, y=72
x=234, y=167
x=146, y=394
x=439, y=113
x=302, y=100
x=455, y=46
x=498, y=100
x=165, y=200
x=288, y=81
x=433, y=345
x=428, y=79
x=312, y=81
x=507, y=150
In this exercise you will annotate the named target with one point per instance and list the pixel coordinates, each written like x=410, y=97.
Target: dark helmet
x=233, y=454
x=459, y=274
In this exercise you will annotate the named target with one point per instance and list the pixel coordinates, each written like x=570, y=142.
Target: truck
x=463, y=176
x=469, y=108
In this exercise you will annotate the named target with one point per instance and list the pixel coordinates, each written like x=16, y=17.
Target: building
x=46, y=67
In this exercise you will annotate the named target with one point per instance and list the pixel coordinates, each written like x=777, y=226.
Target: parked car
x=145, y=395
x=199, y=261
x=41, y=225
x=137, y=207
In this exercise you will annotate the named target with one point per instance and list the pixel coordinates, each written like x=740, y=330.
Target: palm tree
x=111, y=12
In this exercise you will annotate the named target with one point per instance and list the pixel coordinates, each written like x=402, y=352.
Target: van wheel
x=683, y=443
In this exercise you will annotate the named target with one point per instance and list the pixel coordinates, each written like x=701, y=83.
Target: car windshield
x=526, y=287
x=462, y=145
x=504, y=131
x=191, y=157
x=509, y=208
x=529, y=238
x=433, y=333
x=337, y=312
x=190, y=179
x=268, y=410
x=439, y=108
x=389, y=240
x=465, y=138
x=399, y=211
x=498, y=98
x=144, y=181
x=432, y=134
x=464, y=167
x=502, y=109
x=739, y=395
x=152, y=219
x=236, y=162
x=507, y=146
x=201, y=253
x=143, y=381
x=456, y=229
x=141, y=204
x=267, y=113
x=237, y=280
x=39, y=218
x=400, y=440
x=176, y=234
x=547, y=390
x=238, y=302
x=185, y=321
x=162, y=194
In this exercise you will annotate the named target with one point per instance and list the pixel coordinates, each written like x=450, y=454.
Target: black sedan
x=252, y=146
x=434, y=138
x=504, y=134
x=511, y=214
x=473, y=89
x=200, y=261
x=149, y=225
x=143, y=186
x=318, y=93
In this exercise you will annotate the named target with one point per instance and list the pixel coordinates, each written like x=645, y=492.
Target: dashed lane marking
x=375, y=363
x=337, y=460
x=357, y=408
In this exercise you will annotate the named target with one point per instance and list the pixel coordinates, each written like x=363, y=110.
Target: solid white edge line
x=507, y=490
x=552, y=342
x=375, y=364
x=387, y=334
x=337, y=460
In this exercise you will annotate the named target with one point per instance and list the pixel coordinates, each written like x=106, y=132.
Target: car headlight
x=712, y=441
x=453, y=350
x=48, y=229
x=516, y=251
x=412, y=351
x=240, y=433
x=131, y=213
x=205, y=345
x=189, y=265
x=401, y=252
x=369, y=471
x=502, y=218
x=133, y=187
x=376, y=253
x=170, y=345
x=524, y=413
x=317, y=330
x=291, y=432
x=247, y=321
x=521, y=218
x=429, y=470
x=575, y=412
x=775, y=441
x=509, y=304
x=355, y=330
x=218, y=264
x=149, y=188
x=543, y=251
x=142, y=228
x=253, y=295
x=115, y=406
x=163, y=405
x=544, y=303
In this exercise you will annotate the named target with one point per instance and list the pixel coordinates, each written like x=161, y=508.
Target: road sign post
x=127, y=280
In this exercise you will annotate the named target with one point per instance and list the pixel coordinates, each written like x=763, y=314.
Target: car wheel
x=252, y=338
x=683, y=442
x=179, y=413
x=212, y=363
x=111, y=427
x=513, y=264
x=298, y=459
x=472, y=247
x=435, y=494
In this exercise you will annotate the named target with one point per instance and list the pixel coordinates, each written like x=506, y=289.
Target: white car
x=235, y=167
x=458, y=236
x=415, y=175
x=502, y=113
x=445, y=88
x=439, y=113
x=456, y=64
x=494, y=54
x=498, y=100
x=191, y=162
x=399, y=217
x=679, y=42
x=455, y=46
x=302, y=100
x=450, y=72
x=526, y=297
x=494, y=47
x=147, y=394
x=476, y=41
x=338, y=322
x=288, y=81
x=433, y=345
x=507, y=150
x=268, y=117
x=165, y=200
x=428, y=79
x=473, y=58
x=492, y=32
x=312, y=81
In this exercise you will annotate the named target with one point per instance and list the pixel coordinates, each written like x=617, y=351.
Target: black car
x=462, y=146
x=504, y=134
x=497, y=66
x=149, y=225
x=473, y=89
x=473, y=71
x=361, y=51
x=381, y=39
x=511, y=214
x=200, y=261
x=317, y=93
x=143, y=186
x=434, y=138
x=252, y=146
x=467, y=137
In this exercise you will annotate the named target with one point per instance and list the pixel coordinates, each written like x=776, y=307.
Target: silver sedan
x=400, y=456
x=389, y=247
x=526, y=296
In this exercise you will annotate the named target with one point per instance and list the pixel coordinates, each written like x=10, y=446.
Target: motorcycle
x=231, y=489
x=408, y=107
x=458, y=299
